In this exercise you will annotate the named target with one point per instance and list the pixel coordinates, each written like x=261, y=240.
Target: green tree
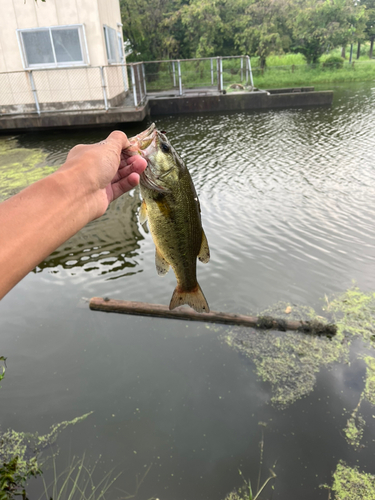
x=318, y=26
x=200, y=26
x=262, y=29
x=369, y=30
x=144, y=25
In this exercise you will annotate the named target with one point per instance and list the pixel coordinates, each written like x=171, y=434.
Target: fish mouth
x=148, y=142
x=142, y=140
x=145, y=142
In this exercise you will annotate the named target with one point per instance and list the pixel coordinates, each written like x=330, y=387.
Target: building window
x=54, y=46
x=114, y=52
x=120, y=47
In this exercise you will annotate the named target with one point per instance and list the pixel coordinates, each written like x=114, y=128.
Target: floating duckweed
x=369, y=392
x=354, y=428
x=354, y=312
x=351, y=484
x=290, y=361
x=27, y=446
x=356, y=423
x=287, y=311
x=20, y=167
x=233, y=495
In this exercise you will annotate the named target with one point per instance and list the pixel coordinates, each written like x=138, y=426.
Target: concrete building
x=60, y=54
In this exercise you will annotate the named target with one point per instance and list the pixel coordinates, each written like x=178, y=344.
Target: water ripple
x=287, y=205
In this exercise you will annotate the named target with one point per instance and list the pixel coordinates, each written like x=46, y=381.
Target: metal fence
x=183, y=75
x=116, y=85
x=71, y=89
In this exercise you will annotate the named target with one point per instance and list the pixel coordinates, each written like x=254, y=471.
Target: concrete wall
x=240, y=101
x=57, y=85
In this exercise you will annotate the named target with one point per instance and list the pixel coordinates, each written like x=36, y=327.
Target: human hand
x=104, y=171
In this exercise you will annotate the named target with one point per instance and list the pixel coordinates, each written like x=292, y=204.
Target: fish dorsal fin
x=204, y=252
x=162, y=266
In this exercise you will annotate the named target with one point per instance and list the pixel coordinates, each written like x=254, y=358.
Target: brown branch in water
x=313, y=327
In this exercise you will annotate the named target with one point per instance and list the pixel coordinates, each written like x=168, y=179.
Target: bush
x=333, y=62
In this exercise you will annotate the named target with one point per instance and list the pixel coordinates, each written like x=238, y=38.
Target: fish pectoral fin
x=162, y=266
x=194, y=298
x=204, y=252
x=143, y=213
x=143, y=216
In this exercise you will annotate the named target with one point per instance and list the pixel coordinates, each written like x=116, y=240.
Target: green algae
x=369, y=391
x=28, y=446
x=354, y=428
x=20, y=167
x=234, y=495
x=356, y=423
x=351, y=484
x=2, y=368
x=354, y=312
x=290, y=361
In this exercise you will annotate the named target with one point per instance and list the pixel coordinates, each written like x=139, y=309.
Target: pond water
x=178, y=408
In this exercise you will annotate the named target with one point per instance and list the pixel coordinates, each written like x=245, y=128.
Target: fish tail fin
x=194, y=298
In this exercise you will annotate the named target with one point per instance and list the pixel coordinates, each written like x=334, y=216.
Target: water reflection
x=107, y=247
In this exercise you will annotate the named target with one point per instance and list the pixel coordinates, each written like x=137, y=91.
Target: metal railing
x=72, y=89
x=182, y=75
x=88, y=88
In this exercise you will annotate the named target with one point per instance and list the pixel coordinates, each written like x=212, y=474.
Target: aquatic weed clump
x=316, y=327
x=291, y=361
x=369, y=391
x=20, y=456
x=27, y=446
x=268, y=323
x=351, y=484
x=20, y=167
x=356, y=423
x=354, y=313
x=288, y=361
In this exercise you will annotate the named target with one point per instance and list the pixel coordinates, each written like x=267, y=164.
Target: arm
x=34, y=222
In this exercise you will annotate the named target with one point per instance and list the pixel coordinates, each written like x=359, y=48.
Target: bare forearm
x=35, y=222
x=40, y=218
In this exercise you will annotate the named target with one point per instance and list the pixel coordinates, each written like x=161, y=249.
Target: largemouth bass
x=171, y=207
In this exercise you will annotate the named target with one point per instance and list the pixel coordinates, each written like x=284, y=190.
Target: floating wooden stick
x=263, y=322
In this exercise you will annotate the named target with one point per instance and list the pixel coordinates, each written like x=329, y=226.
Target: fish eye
x=165, y=147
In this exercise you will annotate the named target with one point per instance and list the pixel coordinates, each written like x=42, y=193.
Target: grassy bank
x=292, y=70
x=305, y=75
x=288, y=70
